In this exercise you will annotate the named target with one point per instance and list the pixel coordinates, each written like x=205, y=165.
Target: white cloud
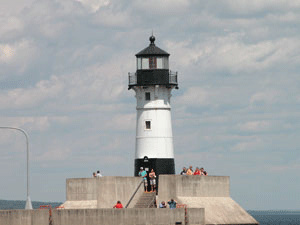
x=94, y=83
x=244, y=7
x=283, y=168
x=39, y=123
x=254, y=145
x=255, y=126
x=266, y=97
x=121, y=122
x=94, y=5
x=17, y=57
x=120, y=19
x=10, y=25
x=53, y=30
x=6, y=52
x=53, y=154
x=26, y=98
x=231, y=53
x=195, y=96
x=167, y=7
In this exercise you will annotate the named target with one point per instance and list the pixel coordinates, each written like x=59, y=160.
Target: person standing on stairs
x=152, y=177
x=143, y=174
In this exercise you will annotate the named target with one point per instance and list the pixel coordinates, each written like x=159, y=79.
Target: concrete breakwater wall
x=209, y=192
x=102, y=192
x=101, y=216
x=24, y=217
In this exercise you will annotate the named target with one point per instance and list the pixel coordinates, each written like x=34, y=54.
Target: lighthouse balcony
x=152, y=77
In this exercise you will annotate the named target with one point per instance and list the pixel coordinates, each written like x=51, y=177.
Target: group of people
x=190, y=171
x=172, y=204
x=152, y=179
x=98, y=174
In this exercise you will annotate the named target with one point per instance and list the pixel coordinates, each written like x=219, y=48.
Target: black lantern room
x=152, y=68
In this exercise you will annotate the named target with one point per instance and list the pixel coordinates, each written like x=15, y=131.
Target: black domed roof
x=152, y=50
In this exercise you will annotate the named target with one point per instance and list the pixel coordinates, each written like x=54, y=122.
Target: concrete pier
x=101, y=192
x=90, y=202
x=101, y=216
x=209, y=192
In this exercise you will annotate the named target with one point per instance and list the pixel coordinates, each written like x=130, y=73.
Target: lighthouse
x=153, y=83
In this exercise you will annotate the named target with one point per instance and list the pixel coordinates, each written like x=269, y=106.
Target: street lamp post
x=28, y=201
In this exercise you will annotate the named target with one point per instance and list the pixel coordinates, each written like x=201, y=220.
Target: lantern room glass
x=152, y=62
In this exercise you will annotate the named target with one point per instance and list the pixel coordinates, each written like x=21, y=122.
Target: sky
x=64, y=80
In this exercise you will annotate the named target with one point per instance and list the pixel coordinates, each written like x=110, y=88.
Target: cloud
x=10, y=26
x=253, y=8
x=285, y=168
x=265, y=97
x=16, y=58
x=255, y=126
x=255, y=144
x=55, y=153
x=31, y=123
x=7, y=52
x=231, y=55
x=94, y=5
x=26, y=98
x=121, y=122
x=167, y=7
x=195, y=96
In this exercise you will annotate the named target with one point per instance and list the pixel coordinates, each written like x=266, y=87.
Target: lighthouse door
x=146, y=164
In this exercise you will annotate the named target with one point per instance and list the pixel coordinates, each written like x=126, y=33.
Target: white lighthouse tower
x=153, y=83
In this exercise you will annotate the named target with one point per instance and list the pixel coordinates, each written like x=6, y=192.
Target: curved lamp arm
x=28, y=201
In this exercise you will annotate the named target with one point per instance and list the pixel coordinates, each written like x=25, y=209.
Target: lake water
x=281, y=217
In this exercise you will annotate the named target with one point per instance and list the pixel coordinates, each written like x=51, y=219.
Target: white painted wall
x=158, y=141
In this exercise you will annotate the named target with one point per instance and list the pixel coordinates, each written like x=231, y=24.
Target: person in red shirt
x=197, y=171
x=118, y=205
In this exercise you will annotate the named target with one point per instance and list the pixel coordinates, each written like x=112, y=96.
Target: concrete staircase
x=147, y=200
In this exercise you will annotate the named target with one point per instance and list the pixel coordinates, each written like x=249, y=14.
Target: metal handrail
x=138, y=187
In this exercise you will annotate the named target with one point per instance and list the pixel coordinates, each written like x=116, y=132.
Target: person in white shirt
x=98, y=174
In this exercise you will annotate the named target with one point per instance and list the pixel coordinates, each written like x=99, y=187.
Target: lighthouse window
x=147, y=96
x=166, y=62
x=152, y=63
x=145, y=63
x=148, y=125
x=139, y=63
x=159, y=61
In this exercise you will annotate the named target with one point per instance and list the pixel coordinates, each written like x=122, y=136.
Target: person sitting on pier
x=118, y=205
x=152, y=177
x=98, y=174
x=190, y=171
x=162, y=205
x=204, y=173
x=197, y=171
x=172, y=204
x=183, y=172
x=143, y=174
